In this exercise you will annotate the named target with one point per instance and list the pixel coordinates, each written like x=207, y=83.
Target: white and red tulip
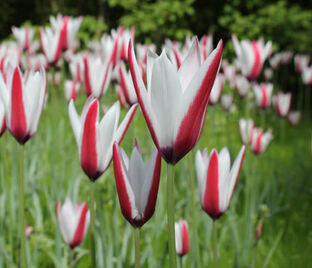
x=251, y=56
x=181, y=237
x=260, y=140
x=227, y=101
x=301, y=62
x=216, y=90
x=294, y=117
x=97, y=75
x=176, y=100
x=23, y=98
x=76, y=67
x=282, y=104
x=137, y=184
x=126, y=85
x=51, y=44
x=71, y=88
x=263, y=94
x=24, y=36
x=307, y=75
x=245, y=129
x=242, y=85
x=216, y=179
x=73, y=221
x=268, y=74
x=95, y=139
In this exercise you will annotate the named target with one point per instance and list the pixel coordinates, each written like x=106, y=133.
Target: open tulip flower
x=175, y=104
x=97, y=75
x=251, y=56
x=181, y=237
x=23, y=98
x=245, y=129
x=282, y=104
x=260, y=140
x=137, y=184
x=294, y=117
x=263, y=94
x=216, y=90
x=73, y=221
x=51, y=44
x=71, y=89
x=216, y=179
x=24, y=36
x=95, y=139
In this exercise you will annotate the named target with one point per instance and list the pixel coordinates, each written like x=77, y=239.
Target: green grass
x=280, y=178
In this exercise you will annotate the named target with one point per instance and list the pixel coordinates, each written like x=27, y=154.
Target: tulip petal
x=75, y=121
x=80, y=229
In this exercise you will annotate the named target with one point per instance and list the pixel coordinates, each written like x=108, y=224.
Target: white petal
x=75, y=121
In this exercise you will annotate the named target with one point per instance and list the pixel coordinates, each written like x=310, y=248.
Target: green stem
x=282, y=129
x=22, y=207
x=71, y=258
x=195, y=251
x=170, y=212
x=92, y=223
x=137, y=247
x=215, y=244
x=254, y=254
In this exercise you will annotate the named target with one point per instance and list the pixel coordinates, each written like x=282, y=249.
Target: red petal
x=80, y=231
x=256, y=68
x=88, y=88
x=185, y=239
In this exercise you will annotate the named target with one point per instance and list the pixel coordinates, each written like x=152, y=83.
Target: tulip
x=97, y=75
x=76, y=67
x=226, y=101
x=251, y=56
x=307, y=75
x=95, y=139
x=23, y=98
x=73, y=221
x=275, y=60
x=242, y=85
x=10, y=54
x=216, y=180
x=216, y=90
x=141, y=50
x=260, y=140
x=51, y=44
x=34, y=62
x=28, y=231
x=175, y=100
x=268, y=74
x=71, y=89
x=263, y=93
x=126, y=85
x=229, y=73
x=137, y=184
x=294, y=117
x=282, y=104
x=182, y=237
x=24, y=36
x=301, y=62
x=245, y=129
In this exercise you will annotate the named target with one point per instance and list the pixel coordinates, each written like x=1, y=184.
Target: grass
x=280, y=177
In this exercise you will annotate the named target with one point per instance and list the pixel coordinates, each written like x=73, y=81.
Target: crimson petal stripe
x=79, y=233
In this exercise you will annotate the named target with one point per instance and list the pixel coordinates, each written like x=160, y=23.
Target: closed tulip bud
x=95, y=139
x=137, y=184
x=242, y=85
x=28, y=231
x=24, y=36
x=282, y=104
x=181, y=237
x=71, y=89
x=176, y=102
x=245, y=129
x=226, y=101
x=23, y=98
x=294, y=117
x=263, y=94
x=73, y=221
x=260, y=140
x=51, y=44
x=301, y=62
x=216, y=179
x=216, y=90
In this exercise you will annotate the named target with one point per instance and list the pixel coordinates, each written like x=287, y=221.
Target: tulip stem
x=170, y=212
x=215, y=243
x=196, y=256
x=22, y=207
x=137, y=247
x=71, y=258
x=92, y=223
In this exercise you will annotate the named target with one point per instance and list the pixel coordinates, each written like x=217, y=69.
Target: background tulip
x=182, y=237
